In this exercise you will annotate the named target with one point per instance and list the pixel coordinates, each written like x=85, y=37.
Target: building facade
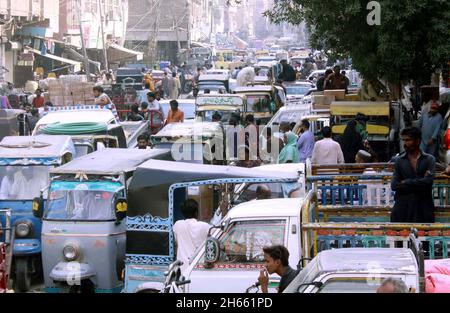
x=21, y=22
x=173, y=24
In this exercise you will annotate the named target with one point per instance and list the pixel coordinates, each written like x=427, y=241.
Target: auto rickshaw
x=193, y=142
x=382, y=122
x=83, y=232
x=24, y=166
x=259, y=99
x=225, y=105
x=156, y=192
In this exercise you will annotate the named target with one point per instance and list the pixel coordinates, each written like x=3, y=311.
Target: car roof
x=285, y=167
x=359, y=260
x=250, y=89
x=212, y=77
x=189, y=129
x=266, y=208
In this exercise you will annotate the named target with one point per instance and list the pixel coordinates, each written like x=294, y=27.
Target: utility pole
x=155, y=6
x=86, y=58
x=105, y=54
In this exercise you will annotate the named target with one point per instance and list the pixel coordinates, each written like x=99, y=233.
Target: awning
x=13, y=45
x=56, y=58
x=118, y=53
x=79, y=57
x=200, y=44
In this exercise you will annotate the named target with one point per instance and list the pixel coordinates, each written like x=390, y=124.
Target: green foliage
x=411, y=42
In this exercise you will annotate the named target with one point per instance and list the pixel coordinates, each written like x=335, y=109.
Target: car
x=295, y=91
x=356, y=270
x=314, y=76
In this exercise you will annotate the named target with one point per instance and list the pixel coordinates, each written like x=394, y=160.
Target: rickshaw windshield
x=86, y=202
x=20, y=182
x=82, y=150
x=225, y=116
x=258, y=103
x=86, y=205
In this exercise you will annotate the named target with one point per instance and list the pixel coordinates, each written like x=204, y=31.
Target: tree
x=411, y=41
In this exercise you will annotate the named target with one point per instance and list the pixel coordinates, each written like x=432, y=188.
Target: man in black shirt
x=288, y=73
x=276, y=260
x=413, y=181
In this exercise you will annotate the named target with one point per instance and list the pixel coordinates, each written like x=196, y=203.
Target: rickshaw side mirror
x=121, y=208
x=38, y=207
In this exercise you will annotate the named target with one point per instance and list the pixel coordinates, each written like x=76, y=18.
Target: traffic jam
x=261, y=161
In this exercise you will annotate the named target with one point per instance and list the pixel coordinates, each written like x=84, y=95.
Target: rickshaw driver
x=6, y=184
x=23, y=180
x=96, y=206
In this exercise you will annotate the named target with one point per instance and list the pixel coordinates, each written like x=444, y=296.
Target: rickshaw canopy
x=41, y=149
x=111, y=161
x=158, y=172
x=351, y=108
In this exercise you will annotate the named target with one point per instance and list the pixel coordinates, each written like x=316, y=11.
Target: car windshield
x=306, y=276
x=297, y=90
x=23, y=182
x=289, y=116
x=86, y=205
x=263, y=72
x=258, y=103
x=82, y=150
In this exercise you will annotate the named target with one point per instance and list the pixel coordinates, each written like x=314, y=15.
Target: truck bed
x=338, y=215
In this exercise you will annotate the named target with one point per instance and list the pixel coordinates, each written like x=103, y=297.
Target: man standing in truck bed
x=413, y=181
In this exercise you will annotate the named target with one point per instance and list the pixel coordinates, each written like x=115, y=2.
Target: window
x=22, y=182
x=259, y=103
x=244, y=241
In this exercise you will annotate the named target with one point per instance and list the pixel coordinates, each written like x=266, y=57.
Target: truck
x=311, y=226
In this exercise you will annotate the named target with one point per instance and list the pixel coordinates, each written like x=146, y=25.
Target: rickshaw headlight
x=70, y=252
x=23, y=230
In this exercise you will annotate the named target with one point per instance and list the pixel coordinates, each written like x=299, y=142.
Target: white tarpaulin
x=118, y=53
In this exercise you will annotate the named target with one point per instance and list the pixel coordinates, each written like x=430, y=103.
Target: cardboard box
x=322, y=100
x=338, y=93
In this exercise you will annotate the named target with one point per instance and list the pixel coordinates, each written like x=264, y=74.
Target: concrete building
x=103, y=26
x=173, y=24
x=19, y=22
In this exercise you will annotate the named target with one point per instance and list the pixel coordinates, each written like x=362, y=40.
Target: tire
x=23, y=275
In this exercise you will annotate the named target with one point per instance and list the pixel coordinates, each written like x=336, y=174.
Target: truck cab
x=233, y=254
x=90, y=127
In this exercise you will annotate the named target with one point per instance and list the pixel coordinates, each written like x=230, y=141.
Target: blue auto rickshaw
x=24, y=166
x=83, y=236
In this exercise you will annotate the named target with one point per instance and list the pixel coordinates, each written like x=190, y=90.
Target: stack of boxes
x=70, y=90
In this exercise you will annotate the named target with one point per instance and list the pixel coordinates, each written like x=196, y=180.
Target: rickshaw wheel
x=23, y=275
